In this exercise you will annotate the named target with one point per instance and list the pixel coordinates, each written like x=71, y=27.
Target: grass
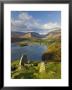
x=31, y=71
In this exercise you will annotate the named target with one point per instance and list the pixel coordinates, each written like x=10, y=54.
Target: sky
x=35, y=21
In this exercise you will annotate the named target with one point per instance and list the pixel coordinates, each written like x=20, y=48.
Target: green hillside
x=31, y=71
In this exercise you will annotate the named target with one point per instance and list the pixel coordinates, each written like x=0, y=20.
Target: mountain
x=21, y=35
x=16, y=34
x=54, y=34
x=26, y=35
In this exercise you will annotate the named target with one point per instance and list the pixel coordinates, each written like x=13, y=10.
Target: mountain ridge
x=32, y=34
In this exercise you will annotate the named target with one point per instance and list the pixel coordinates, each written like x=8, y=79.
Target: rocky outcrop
x=41, y=67
x=23, y=61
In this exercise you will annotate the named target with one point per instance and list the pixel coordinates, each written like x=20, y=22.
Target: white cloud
x=51, y=25
x=24, y=16
x=27, y=22
x=24, y=21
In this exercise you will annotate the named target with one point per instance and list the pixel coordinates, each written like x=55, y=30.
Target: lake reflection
x=33, y=52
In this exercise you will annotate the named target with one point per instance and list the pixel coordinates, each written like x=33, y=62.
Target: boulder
x=42, y=67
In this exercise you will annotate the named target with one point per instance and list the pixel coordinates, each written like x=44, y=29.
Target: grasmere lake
x=33, y=52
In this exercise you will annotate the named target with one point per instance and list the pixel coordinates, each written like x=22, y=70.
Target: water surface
x=33, y=52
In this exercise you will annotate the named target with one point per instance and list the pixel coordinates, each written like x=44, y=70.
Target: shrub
x=53, y=53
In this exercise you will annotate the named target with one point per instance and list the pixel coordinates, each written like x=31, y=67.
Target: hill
x=19, y=36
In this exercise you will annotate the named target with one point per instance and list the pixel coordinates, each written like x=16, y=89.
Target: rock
x=47, y=56
x=23, y=60
x=42, y=67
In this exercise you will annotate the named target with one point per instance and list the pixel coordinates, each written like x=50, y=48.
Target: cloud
x=51, y=25
x=26, y=22
x=24, y=16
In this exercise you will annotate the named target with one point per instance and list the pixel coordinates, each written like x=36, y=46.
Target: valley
x=49, y=46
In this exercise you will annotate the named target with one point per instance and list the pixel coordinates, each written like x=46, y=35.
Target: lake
x=33, y=52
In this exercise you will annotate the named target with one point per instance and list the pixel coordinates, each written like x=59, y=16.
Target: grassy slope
x=31, y=71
